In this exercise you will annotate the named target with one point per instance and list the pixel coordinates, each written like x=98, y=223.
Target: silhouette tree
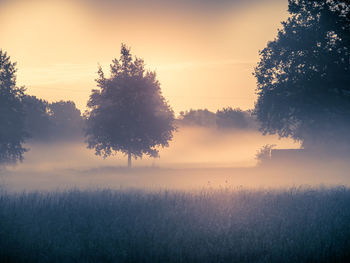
x=128, y=112
x=66, y=120
x=229, y=118
x=12, y=130
x=303, y=77
x=204, y=118
x=37, y=119
x=54, y=121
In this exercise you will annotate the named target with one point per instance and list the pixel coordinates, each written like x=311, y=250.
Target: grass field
x=225, y=225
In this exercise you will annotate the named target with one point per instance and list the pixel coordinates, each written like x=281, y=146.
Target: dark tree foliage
x=128, y=112
x=231, y=118
x=66, y=120
x=37, y=120
x=204, y=118
x=54, y=121
x=12, y=131
x=303, y=76
x=227, y=118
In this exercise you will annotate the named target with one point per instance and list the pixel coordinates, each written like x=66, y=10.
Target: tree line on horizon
x=303, y=88
x=62, y=120
x=225, y=119
x=54, y=121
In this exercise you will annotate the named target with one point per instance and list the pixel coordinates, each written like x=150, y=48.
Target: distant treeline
x=46, y=121
x=61, y=120
x=227, y=118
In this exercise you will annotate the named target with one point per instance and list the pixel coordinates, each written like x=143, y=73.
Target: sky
x=204, y=51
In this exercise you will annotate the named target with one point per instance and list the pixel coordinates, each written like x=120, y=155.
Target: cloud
x=70, y=73
x=204, y=64
x=191, y=6
x=56, y=74
x=178, y=3
x=209, y=7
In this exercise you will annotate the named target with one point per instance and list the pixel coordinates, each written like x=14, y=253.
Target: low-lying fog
x=196, y=158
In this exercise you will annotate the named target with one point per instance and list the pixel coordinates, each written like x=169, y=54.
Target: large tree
x=127, y=112
x=303, y=77
x=12, y=116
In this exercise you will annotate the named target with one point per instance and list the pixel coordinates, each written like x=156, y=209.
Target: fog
x=196, y=158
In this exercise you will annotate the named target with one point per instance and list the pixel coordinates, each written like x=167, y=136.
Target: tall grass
x=227, y=225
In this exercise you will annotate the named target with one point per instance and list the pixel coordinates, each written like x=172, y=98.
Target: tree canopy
x=65, y=119
x=12, y=127
x=127, y=112
x=229, y=118
x=37, y=119
x=200, y=117
x=303, y=77
x=226, y=118
x=54, y=121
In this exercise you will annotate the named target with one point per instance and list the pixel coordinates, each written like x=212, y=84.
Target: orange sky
x=203, y=51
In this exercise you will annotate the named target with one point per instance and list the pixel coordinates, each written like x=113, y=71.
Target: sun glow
x=59, y=44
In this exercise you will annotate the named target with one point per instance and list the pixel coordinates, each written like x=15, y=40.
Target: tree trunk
x=129, y=160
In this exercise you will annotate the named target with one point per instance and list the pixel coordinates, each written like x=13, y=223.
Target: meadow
x=228, y=224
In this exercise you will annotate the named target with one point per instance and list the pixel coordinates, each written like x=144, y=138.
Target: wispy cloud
x=56, y=74
x=70, y=73
x=203, y=64
x=187, y=5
